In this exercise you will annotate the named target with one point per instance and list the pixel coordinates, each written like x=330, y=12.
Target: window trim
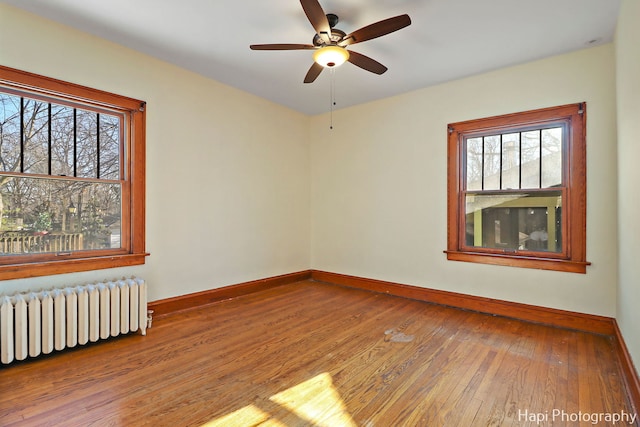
x=574, y=206
x=133, y=197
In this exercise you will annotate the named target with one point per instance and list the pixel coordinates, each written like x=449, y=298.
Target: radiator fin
x=35, y=320
x=21, y=336
x=47, y=323
x=6, y=330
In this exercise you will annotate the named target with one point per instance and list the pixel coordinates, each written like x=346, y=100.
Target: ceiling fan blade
x=366, y=63
x=313, y=73
x=377, y=29
x=318, y=19
x=281, y=46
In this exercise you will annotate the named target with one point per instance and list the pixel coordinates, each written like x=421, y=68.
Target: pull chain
x=332, y=96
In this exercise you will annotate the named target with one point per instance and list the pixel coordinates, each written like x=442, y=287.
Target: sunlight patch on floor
x=315, y=400
x=250, y=415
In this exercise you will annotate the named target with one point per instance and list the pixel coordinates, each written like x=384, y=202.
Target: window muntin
x=71, y=177
x=517, y=189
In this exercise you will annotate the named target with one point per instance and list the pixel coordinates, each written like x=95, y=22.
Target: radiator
x=40, y=322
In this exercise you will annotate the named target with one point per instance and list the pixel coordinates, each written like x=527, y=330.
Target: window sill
x=568, y=266
x=23, y=271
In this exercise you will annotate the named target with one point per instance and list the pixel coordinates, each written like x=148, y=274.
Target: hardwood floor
x=312, y=354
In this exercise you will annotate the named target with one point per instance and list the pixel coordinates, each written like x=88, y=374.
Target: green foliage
x=43, y=222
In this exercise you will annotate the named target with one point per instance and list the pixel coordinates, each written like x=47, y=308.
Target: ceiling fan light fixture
x=331, y=56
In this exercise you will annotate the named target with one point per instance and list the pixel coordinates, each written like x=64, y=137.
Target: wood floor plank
x=314, y=354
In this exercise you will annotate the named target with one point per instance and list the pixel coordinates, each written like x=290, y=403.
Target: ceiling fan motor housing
x=336, y=34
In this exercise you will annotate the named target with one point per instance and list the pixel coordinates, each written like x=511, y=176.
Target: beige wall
x=628, y=90
x=379, y=188
x=227, y=172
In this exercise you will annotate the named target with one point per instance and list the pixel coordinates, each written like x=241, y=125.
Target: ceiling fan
x=330, y=44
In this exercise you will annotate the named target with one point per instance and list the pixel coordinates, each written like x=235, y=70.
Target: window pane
x=87, y=144
x=474, y=163
x=36, y=136
x=516, y=221
x=492, y=155
x=551, y=157
x=511, y=161
x=61, y=140
x=531, y=159
x=9, y=132
x=109, y=147
x=47, y=215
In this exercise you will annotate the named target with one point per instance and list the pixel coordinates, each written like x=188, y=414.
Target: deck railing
x=20, y=243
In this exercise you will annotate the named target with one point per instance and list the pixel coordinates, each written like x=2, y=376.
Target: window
x=72, y=165
x=517, y=190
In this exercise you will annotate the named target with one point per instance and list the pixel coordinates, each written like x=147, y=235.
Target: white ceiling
x=447, y=39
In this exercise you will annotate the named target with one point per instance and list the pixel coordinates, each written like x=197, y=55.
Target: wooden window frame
x=573, y=254
x=133, y=195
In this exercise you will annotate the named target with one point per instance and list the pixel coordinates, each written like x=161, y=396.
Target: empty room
x=319, y=213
